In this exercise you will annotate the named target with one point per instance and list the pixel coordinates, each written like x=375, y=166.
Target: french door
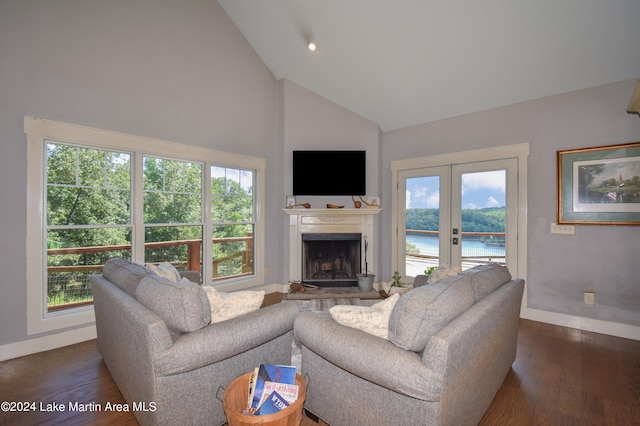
x=462, y=214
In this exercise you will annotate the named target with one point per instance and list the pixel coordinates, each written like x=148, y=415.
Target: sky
x=242, y=177
x=479, y=190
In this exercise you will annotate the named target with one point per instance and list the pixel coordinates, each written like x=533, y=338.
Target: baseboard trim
x=66, y=338
x=46, y=343
x=71, y=337
x=610, y=328
x=276, y=288
x=268, y=288
x=586, y=324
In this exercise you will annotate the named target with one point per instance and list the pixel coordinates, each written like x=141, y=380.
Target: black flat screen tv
x=329, y=173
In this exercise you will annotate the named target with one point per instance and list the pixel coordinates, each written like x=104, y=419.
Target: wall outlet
x=267, y=271
x=589, y=297
x=563, y=229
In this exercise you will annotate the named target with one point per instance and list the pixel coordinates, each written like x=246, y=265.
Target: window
x=232, y=216
x=88, y=218
x=173, y=227
x=94, y=195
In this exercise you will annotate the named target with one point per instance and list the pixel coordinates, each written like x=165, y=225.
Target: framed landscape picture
x=599, y=185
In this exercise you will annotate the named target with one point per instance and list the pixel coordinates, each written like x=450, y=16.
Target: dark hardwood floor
x=561, y=376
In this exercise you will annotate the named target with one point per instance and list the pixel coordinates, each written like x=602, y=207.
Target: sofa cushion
x=422, y=312
x=225, y=306
x=125, y=274
x=183, y=306
x=372, y=319
x=486, y=278
x=165, y=270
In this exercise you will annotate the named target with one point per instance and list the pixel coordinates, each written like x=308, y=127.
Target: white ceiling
x=406, y=62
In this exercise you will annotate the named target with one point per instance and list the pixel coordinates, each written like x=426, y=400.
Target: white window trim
x=38, y=130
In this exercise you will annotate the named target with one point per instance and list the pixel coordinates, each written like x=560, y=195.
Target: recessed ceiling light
x=312, y=46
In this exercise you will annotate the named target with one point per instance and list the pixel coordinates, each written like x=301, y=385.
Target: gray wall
x=181, y=71
x=176, y=71
x=560, y=267
x=311, y=122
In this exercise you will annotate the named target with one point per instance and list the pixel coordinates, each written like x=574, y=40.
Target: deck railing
x=69, y=286
x=492, y=250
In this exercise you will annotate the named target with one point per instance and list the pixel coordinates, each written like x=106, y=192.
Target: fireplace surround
x=321, y=225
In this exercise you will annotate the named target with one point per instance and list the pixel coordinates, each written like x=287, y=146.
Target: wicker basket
x=235, y=400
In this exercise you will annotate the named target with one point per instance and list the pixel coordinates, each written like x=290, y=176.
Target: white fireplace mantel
x=322, y=221
x=331, y=212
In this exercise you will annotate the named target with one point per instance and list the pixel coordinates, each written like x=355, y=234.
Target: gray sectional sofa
x=162, y=351
x=449, y=349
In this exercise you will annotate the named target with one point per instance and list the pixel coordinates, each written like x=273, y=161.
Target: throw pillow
x=183, y=306
x=165, y=270
x=443, y=272
x=370, y=319
x=225, y=306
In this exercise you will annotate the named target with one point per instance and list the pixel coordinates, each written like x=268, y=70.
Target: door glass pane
x=483, y=218
x=422, y=224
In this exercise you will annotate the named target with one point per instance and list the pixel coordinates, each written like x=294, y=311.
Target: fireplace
x=318, y=226
x=331, y=259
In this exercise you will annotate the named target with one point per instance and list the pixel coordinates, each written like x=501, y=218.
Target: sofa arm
x=372, y=358
x=225, y=339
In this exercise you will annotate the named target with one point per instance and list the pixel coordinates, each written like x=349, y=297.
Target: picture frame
x=599, y=185
x=290, y=201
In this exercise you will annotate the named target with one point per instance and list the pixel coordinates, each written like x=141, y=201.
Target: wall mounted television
x=329, y=173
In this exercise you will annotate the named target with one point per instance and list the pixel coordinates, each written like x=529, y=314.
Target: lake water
x=429, y=246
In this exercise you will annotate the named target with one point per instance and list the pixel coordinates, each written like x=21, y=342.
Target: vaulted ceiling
x=406, y=62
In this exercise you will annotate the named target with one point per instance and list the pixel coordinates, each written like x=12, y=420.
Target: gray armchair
x=180, y=372
x=450, y=347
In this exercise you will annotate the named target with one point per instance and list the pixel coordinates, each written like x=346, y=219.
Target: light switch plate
x=563, y=229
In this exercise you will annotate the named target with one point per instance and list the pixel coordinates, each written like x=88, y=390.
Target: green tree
x=87, y=187
x=232, y=216
x=88, y=195
x=475, y=220
x=172, y=195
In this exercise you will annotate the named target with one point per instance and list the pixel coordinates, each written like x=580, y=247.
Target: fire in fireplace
x=331, y=260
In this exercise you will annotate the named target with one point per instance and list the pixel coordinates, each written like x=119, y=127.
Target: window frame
x=38, y=131
x=214, y=224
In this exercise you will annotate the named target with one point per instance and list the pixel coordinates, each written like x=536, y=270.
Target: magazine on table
x=268, y=379
x=252, y=387
x=287, y=391
x=272, y=373
x=272, y=404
